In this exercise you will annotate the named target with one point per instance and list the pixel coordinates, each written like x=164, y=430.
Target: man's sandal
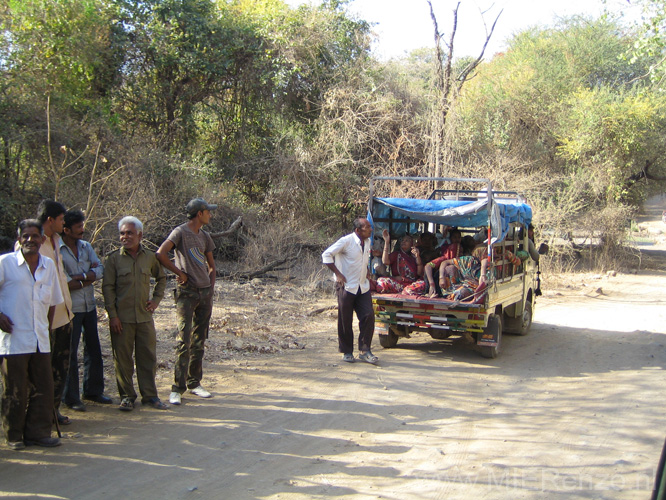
x=348, y=357
x=157, y=404
x=368, y=357
x=126, y=404
x=63, y=420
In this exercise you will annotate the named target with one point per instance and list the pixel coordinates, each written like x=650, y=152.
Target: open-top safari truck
x=506, y=304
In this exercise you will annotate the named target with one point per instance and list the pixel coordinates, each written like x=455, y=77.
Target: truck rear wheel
x=495, y=328
x=388, y=340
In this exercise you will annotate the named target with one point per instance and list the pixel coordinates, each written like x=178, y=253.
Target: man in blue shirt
x=83, y=268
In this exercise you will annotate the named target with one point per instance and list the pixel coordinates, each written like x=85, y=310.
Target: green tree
x=563, y=115
x=651, y=42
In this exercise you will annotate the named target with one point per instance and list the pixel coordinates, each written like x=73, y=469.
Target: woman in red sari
x=453, y=249
x=405, y=264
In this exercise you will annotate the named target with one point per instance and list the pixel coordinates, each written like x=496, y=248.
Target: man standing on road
x=126, y=289
x=51, y=215
x=83, y=268
x=348, y=258
x=29, y=292
x=195, y=270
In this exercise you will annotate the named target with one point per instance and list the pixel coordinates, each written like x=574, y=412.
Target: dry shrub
x=267, y=243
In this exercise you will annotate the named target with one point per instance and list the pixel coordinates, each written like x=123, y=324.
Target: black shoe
x=101, y=399
x=47, y=442
x=76, y=406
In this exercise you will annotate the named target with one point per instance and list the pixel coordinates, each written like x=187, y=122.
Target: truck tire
x=388, y=340
x=522, y=324
x=526, y=322
x=494, y=326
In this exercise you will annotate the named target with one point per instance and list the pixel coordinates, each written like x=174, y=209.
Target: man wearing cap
x=194, y=267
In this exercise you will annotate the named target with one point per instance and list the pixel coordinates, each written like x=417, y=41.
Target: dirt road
x=574, y=410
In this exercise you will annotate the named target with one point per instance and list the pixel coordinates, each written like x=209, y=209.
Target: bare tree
x=446, y=84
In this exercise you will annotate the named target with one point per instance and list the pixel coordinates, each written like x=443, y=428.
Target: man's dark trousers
x=348, y=303
x=27, y=404
x=60, y=344
x=194, y=307
x=93, y=368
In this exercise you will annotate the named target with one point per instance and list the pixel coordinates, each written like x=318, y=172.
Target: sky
x=404, y=25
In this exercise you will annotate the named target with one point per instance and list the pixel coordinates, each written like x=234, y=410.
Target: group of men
x=47, y=303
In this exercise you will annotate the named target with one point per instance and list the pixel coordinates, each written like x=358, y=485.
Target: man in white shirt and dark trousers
x=349, y=258
x=29, y=292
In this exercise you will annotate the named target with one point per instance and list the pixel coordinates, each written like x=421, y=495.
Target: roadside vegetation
x=283, y=114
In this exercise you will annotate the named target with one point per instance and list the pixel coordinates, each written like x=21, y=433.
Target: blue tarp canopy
x=457, y=213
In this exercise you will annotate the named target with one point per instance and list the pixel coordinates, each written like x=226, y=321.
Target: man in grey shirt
x=83, y=268
x=194, y=267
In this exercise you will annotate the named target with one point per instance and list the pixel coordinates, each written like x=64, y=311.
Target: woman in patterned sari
x=459, y=277
x=405, y=264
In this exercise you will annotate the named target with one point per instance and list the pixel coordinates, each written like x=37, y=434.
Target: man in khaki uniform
x=126, y=289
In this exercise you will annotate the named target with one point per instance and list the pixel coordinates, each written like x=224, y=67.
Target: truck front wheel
x=522, y=324
x=526, y=318
x=388, y=340
x=495, y=328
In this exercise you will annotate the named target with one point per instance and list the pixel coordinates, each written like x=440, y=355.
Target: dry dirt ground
x=573, y=410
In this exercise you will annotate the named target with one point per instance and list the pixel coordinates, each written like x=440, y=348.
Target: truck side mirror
x=543, y=249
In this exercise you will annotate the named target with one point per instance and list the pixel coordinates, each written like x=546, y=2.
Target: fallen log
x=248, y=275
x=232, y=228
x=321, y=310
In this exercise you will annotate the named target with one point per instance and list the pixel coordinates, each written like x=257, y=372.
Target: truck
x=471, y=205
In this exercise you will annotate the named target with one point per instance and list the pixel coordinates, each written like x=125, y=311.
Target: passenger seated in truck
x=460, y=277
x=377, y=267
x=499, y=253
x=405, y=264
x=531, y=246
x=436, y=273
x=453, y=249
x=444, y=237
x=426, y=244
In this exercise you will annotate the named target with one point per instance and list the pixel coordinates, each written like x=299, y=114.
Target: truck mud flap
x=491, y=335
x=488, y=339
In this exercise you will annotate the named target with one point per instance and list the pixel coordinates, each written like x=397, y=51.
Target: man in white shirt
x=29, y=292
x=348, y=258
